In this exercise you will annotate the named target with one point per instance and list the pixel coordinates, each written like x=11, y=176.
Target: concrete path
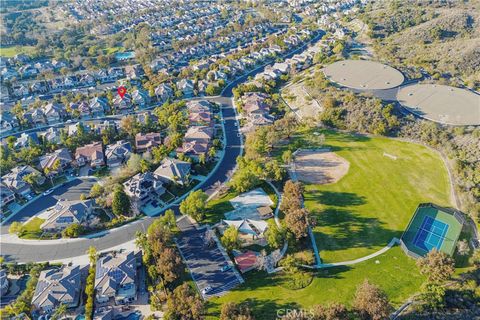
x=392, y=242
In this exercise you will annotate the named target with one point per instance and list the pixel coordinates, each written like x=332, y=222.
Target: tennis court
x=431, y=234
x=432, y=227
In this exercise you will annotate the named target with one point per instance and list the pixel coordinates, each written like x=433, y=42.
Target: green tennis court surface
x=432, y=227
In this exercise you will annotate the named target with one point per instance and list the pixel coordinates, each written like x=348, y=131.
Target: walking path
x=392, y=242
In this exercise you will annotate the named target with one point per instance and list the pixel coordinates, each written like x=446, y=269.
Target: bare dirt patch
x=319, y=166
x=300, y=101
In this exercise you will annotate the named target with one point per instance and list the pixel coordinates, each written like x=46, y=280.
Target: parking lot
x=206, y=262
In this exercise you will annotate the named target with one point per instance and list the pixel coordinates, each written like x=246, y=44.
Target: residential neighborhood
x=252, y=159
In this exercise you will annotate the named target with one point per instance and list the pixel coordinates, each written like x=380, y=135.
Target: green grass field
x=395, y=273
x=374, y=202
x=9, y=52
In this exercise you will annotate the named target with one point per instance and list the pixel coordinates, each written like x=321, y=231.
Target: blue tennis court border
x=430, y=234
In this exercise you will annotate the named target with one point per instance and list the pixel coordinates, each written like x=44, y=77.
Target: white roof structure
x=254, y=198
x=255, y=227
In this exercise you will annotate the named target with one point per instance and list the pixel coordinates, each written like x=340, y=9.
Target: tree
x=243, y=180
x=31, y=178
x=184, y=304
x=432, y=296
x=97, y=190
x=15, y=227
x=437, y=266
x=130, y=125
x=212, y=153
x=286, y=125
x=92, y=255
x=289, y=264
x=169, y=265
x=144, y=166
x=194, y=205
x=235, y=311
x=121, y=203
x=169, y=218
x=134, y=163
x=211, y=90
x=462, y=247
x=292, y=196
x=60, y=311
x=202, y=158
x=371, y=302
x=230, y=238
x=287, y=157
x=297, y=222
x=334, y=311
x=273, y=234
x=72, y=231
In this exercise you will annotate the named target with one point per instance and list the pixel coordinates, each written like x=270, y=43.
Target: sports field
x=374, y=201
x=432, y=228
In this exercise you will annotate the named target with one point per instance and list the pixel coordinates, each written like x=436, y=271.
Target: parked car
x=46, y=193
x=226, y=267
x=207, y=289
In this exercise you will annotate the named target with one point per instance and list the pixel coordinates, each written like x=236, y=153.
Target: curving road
x=38, y=251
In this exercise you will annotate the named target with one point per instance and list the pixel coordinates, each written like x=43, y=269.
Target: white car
x=207, y=289
x=46, y=193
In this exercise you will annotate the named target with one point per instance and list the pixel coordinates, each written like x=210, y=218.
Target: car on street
x=207, y=289
x=226, y=267
x=46, y=193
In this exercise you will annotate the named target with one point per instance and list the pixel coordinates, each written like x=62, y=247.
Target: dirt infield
x=441, y=103
x=319, y=166
x=363, y=75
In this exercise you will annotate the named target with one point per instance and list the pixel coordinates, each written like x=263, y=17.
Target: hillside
x=444, y=39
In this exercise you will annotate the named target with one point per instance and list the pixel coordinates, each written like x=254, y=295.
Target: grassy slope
x=395, y=273
x=376, y=199
x=9, y=52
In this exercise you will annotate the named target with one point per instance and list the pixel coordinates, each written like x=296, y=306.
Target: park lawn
x=374, y=202
x=9, y=52
x=216, y=208
x=31, y=229
x=395, y=273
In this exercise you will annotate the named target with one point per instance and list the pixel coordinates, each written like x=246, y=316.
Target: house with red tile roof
x=91, y=154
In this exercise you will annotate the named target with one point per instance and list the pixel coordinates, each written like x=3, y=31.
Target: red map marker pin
x=121, y=91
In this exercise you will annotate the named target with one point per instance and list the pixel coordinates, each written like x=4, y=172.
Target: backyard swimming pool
x=125, y=55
